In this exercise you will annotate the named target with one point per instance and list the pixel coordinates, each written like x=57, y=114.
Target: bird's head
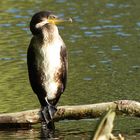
x=44, y=19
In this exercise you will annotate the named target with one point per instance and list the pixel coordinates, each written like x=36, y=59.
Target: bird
x=47, y=63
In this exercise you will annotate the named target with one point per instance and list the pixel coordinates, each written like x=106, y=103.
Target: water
x=104, y=63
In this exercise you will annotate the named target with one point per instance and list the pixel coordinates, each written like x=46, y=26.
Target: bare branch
x=30, y=117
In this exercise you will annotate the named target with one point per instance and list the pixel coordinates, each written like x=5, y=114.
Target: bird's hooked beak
x=57, y=20
x=52, y=20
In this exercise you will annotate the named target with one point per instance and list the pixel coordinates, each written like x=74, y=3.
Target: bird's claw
x=48, y=113
x=52, y=110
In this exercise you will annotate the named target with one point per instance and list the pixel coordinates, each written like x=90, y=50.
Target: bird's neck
x=50, y=33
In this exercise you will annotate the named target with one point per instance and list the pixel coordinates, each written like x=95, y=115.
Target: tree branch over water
x=25, y=119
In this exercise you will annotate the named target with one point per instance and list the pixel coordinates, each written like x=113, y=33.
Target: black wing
x=64, y=60
x=35, y=74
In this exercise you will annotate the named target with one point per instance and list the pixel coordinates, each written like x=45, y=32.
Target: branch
x=25, y=119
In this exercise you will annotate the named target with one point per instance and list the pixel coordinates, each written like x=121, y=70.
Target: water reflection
x=87, y=78
x=123, y=34
x=136, y=67
x=13, y=10
x=38, y=133
x=105, y=61
x=116, y=48
x=93, y=66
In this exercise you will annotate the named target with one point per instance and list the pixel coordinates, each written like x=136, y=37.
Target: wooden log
x=25, y=119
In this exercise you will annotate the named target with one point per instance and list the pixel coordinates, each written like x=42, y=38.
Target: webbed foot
x=48, y=113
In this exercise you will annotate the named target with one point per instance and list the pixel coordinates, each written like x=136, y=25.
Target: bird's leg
x=47, y=120
x=48, y=113
x=52, y=109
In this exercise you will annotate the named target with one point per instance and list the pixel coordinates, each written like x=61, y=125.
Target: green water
x=104, y=60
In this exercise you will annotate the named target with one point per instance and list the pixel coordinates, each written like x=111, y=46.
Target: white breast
x=50, y=63
x=52, y=55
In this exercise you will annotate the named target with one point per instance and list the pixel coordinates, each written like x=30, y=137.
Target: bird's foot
x=52, y=110
x=48, y=113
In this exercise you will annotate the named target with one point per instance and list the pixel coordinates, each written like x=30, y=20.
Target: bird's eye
x=52, y=17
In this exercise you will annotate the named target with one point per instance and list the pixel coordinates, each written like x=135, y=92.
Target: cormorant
x=47, y=63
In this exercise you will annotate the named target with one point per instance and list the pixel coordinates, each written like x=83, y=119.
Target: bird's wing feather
x=64, y=58
x=34, y=74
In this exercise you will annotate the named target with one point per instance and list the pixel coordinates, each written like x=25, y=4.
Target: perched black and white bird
x=47, y=62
